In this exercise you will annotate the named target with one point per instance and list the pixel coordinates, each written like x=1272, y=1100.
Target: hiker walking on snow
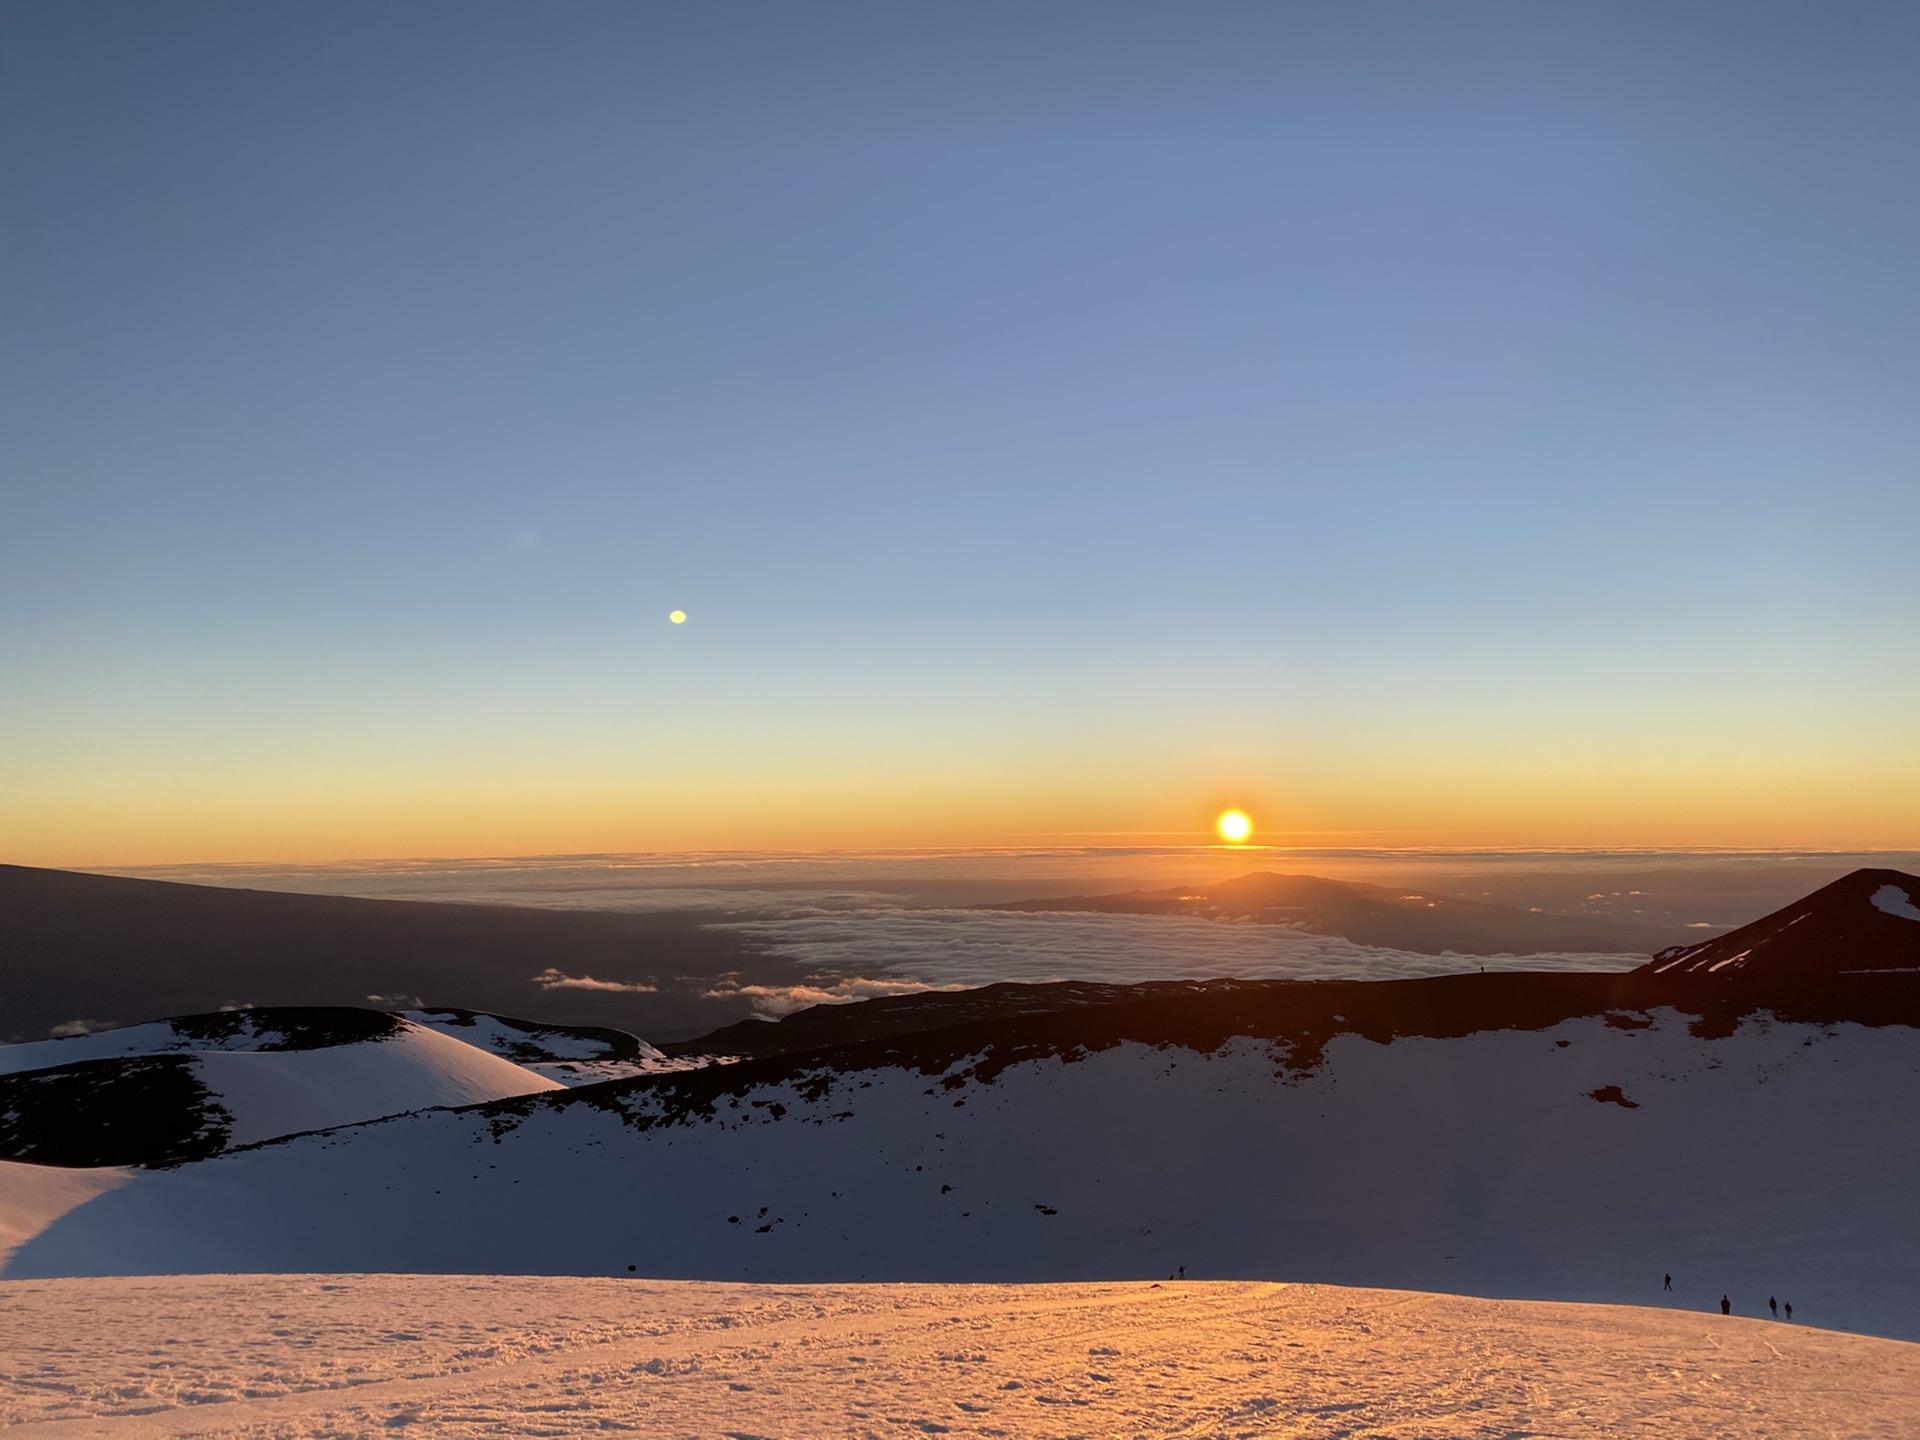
x=1773, y=1305
x=1669, y=1284
x=1789, y=1309
x=1726, y=1306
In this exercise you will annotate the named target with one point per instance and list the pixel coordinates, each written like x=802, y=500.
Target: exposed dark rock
x=130, y=1110
x=287, y=1027
x=538, y=1045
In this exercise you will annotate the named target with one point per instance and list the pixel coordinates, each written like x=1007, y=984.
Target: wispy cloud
x=785, y=999
x=551, y=979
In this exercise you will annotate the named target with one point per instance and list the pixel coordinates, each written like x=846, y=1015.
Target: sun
x=1234, y=827
x=678, y=617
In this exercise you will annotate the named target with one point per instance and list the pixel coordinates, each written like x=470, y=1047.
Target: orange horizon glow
x=351, y=824
x=708, y=788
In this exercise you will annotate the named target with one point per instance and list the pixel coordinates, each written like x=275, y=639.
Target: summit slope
x=1865, y=923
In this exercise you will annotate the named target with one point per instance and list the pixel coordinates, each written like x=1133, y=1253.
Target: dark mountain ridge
x=974, y=1035
x=1867, y=922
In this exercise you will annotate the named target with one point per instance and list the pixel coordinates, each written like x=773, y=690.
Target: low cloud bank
x=820, y=990
x=959, y=949
x=551, y=979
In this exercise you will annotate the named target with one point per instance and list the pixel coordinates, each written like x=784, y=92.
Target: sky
x=1481, y=424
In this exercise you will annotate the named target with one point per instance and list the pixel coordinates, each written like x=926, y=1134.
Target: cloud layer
x=777, y=1000
x=934, y=949
x=551, y=979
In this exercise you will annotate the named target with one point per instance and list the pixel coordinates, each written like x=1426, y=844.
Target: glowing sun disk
x=1234, y=827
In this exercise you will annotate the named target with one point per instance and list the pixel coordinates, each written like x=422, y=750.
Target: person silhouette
x=1669, y=1284
x=1789, y=1309
x=1183, y=1272
x=1773, y=1305
x=1726, y=1306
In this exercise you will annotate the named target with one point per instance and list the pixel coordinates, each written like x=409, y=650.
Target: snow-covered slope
x=569, y=1054
x=1582, y=1159
x=270, y=1093
x=305, y=1356
x=190, y=1087
x=275, y=1029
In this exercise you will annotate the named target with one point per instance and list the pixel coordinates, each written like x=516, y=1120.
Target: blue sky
x=1053, y=418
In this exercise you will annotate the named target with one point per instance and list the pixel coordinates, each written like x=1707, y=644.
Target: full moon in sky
x=678, y=617
x=1234, y=826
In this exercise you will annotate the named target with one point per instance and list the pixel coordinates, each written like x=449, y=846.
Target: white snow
x=1895, y=901
x=489, y=1032
x=572, y=1059
x=282, y=1092
x=337, y=1355
x=1769, y=1162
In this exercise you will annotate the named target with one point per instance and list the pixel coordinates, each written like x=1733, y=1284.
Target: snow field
x=313, y=1356
x=1772, y=1162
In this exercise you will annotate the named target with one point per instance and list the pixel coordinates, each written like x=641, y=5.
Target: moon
x=678, y=617
x=1234, y=827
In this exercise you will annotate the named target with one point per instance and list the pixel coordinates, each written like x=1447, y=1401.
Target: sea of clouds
x=895, y=951
x=855, y=926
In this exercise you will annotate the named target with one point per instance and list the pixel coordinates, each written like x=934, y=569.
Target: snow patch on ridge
x=1893, y=900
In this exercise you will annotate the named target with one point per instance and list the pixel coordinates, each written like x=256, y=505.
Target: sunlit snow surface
x=320, y=1355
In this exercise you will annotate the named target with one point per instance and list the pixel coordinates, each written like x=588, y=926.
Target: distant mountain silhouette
x=1392, y=918
x=104, y=949
x=1864, y=923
